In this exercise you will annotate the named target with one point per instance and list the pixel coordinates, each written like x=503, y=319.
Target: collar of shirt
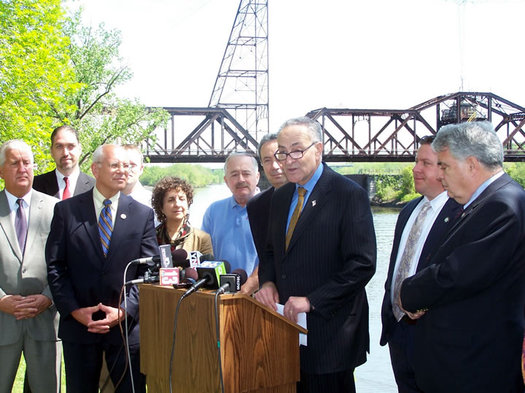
x=234, y=205
x=438, y=202
x=98, y=200
x=308, y=186
x=483, y=187
x=72, y=180
x=11, y=200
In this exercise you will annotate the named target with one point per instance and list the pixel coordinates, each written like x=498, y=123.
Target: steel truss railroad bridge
x=349, y=135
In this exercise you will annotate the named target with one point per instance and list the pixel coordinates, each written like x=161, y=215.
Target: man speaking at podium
x=321, y=253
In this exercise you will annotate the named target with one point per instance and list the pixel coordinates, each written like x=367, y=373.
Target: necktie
x=66, y=194
x=21, y=225
x=105, y=226
x=408, y=255
x=295, y=215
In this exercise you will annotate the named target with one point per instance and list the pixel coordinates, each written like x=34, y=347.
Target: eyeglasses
x=295, y=155
x=115, y=165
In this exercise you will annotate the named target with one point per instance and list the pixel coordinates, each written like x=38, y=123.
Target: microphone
x=196, y=257
x=177, y=258
x=188, y=277
x=189, y=274
x=170, y=275
x=180, y=258
x=232, y=282
x=149, y=278
x=151, y=261
x=209, y=274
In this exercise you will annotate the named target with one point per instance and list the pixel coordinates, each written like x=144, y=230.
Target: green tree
x=99, y=115
x=35, y=70
x=516, y=170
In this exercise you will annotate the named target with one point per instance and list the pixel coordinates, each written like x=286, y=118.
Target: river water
x=375, y=376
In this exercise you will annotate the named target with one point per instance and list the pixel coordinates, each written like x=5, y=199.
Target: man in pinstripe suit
x=329, y=258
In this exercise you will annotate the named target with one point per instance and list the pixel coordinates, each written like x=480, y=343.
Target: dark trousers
x=84, y=361
x=341, y=382
x=401, y=346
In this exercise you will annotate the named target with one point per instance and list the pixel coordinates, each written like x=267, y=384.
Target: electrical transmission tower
x=242, y=82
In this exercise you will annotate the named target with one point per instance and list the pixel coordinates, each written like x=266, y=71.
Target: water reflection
x=375, y=376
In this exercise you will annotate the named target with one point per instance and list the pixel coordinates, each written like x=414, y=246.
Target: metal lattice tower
x=242, y=82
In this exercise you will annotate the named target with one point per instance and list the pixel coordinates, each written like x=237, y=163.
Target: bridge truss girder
x=371, y=135
x=366, y=135
x=209, y=135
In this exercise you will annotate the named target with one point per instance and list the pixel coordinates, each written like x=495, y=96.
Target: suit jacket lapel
x=89, y=219
x=119, y=231
x=282, y=203
x=7, y=226
x=35, y=225
x=497, y=184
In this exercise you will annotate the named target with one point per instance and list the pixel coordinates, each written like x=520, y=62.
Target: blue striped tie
x=105, y=226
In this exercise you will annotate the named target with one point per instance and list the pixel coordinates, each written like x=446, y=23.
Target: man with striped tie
x=93, y=238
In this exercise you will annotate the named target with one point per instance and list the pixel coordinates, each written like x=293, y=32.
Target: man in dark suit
x=470, y=296
x=66, y=180
x=398, y=328
x=93, y=238
x=322, y=266
x=258, y=207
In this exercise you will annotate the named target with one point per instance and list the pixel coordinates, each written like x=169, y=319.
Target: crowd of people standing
x=453, y=309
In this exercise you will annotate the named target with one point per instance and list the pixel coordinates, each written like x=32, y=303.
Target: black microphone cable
x=217, y=334
x=175, y=318
x=126, y=331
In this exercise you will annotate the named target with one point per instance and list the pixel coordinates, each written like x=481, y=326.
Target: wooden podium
x=260, y=348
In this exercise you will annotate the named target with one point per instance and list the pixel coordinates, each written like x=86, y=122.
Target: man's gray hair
x=477, y=139
x=241, y=154
x=313, y=127
x=14, y=144
x=265, y=139
x=98, y=154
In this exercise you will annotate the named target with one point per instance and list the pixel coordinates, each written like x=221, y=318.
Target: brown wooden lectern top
x=260, y=348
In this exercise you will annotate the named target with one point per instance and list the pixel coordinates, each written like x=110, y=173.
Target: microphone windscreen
x=190, y=273
x=242, y=273
x=179, y=258
x=179, y=255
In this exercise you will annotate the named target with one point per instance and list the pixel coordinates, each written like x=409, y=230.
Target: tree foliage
x=35, y=71
x=101, y=116
x=55, y=71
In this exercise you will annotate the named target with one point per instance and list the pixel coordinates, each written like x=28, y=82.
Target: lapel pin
x=123, y=216
x=314, y=202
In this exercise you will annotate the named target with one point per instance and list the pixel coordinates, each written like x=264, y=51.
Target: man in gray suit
x=66, y=180
x=28, y=318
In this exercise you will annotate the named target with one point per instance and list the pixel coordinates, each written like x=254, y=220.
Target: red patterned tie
x=66, y=194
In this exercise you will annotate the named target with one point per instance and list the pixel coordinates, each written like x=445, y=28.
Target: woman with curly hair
x=171, y=200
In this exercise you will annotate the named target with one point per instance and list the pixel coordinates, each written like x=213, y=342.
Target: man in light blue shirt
x=227, y=220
